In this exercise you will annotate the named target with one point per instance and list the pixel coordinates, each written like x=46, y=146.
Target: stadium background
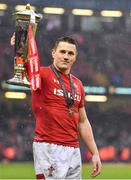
x=104, y=66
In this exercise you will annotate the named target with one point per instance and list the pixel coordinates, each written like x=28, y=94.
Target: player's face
x=64, y=56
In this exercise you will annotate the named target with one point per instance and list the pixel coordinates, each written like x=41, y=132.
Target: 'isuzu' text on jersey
x=59, y=92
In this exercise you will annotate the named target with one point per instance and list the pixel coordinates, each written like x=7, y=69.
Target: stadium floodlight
x=53, y=10
x=95, y=98
x=15, y=95
x=110, y=13
x=3, y=6
x=82, y=12
x=23, y=7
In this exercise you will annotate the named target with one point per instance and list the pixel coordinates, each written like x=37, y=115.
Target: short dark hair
x=65, y=39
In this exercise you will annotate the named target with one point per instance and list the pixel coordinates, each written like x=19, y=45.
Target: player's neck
x=63, y=71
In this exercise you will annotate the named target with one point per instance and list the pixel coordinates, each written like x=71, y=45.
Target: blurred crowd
x=103, y=60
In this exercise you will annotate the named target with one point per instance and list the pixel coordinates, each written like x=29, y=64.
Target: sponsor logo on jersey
x=56, y=81
x=59, y=92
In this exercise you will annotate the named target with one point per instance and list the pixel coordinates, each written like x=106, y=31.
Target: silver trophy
x=23, y=19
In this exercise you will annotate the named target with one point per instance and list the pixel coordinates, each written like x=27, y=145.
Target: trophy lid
x=28, y=12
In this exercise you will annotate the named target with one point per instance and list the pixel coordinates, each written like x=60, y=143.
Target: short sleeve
x=82, y=101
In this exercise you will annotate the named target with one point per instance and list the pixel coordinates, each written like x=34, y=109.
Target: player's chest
x=53, y=87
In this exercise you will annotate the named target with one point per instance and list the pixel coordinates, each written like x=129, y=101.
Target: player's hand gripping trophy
x=23, y=20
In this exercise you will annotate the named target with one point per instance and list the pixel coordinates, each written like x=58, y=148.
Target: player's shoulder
x=44, y=71
x=78, y=83
x=44, y=68
x=76, y=79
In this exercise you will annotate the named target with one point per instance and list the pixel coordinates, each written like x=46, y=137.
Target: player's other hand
x=96, y=165
x=12, y=41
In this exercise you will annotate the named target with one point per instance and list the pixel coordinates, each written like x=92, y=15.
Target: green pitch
x=26, y=171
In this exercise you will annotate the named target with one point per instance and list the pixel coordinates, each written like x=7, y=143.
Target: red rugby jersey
x=53, y=122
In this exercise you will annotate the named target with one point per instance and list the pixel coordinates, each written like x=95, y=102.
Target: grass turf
x=26, y=171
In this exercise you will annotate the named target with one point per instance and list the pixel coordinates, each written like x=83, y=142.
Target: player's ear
x=53, y=52
x=75, y=58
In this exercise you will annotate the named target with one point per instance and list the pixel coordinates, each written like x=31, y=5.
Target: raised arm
x=86, y=134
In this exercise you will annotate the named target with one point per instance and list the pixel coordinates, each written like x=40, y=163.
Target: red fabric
x=40, y=177
x=33, y=61
x=53, y=123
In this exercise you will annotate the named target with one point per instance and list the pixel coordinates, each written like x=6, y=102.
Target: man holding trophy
x=58, y=107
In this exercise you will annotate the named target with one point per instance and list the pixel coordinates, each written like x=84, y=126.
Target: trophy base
x=19, y=82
